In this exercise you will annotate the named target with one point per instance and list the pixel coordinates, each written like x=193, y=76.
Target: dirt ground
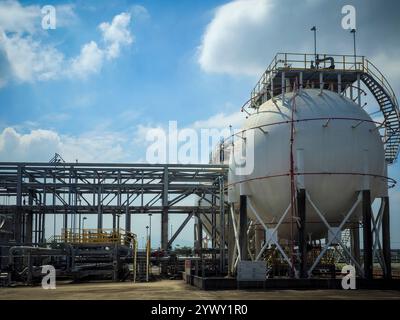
x=179, y=290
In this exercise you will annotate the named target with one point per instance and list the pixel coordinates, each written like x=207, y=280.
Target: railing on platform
x=116, y=236
x=306, y=61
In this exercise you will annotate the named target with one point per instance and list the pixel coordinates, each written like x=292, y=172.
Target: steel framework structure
x=31, y=191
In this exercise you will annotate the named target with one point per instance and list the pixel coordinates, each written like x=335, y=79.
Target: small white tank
x=334, y=154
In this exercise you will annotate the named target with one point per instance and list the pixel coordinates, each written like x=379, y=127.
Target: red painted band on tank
x=391, y=180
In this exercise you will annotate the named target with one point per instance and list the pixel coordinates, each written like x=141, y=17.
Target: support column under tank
x=367, y=234
x=301, y=207
x=386, y=239
x=243, y=227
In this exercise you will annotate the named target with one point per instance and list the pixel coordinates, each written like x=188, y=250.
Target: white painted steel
x=326, y=148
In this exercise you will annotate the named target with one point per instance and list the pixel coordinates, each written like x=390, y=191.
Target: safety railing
x=371, y=69
x=118, y=236
x=307, y=61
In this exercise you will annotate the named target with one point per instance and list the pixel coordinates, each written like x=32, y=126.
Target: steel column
x=355, y=243
x=18, y=215
x=127, y=214
x=301, y=207
x=386, y=239
x=164, y=215
x=367, y=234
x=99, y=208
x=243, y=227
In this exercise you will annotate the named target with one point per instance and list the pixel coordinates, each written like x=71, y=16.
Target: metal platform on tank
x=339, y=73
x=230, y=283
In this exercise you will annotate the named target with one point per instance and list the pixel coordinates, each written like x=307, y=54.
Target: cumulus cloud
x=89, y=61
x=28, y=60
x=233, y=34
x=244, y=35
x=25, y=58
x=16, y=18
x=116, y=34
x=40, y=145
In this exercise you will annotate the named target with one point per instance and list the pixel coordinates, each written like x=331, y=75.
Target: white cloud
x=16, y=18
x=105, y=143
x=40, y=145
x=116, y=34
x=29, y=60
x=232, y=39
x=25, y=58
x=244, y=35
x=89, y=61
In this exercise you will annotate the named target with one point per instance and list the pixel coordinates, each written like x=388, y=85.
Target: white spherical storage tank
x=336, y=152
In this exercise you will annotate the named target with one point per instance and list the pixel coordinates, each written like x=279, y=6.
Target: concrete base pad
x=222, y=283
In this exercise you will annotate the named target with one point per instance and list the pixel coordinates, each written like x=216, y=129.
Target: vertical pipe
x=243, y=227
x=301, y=207
x=386, y=239
x=283, y=83
x=222, y=224
x=367, y=233
x=339, y=88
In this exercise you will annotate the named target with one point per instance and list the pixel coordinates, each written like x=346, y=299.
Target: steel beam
x=184, y=223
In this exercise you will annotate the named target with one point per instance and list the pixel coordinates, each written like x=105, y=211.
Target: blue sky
x=190, y=61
